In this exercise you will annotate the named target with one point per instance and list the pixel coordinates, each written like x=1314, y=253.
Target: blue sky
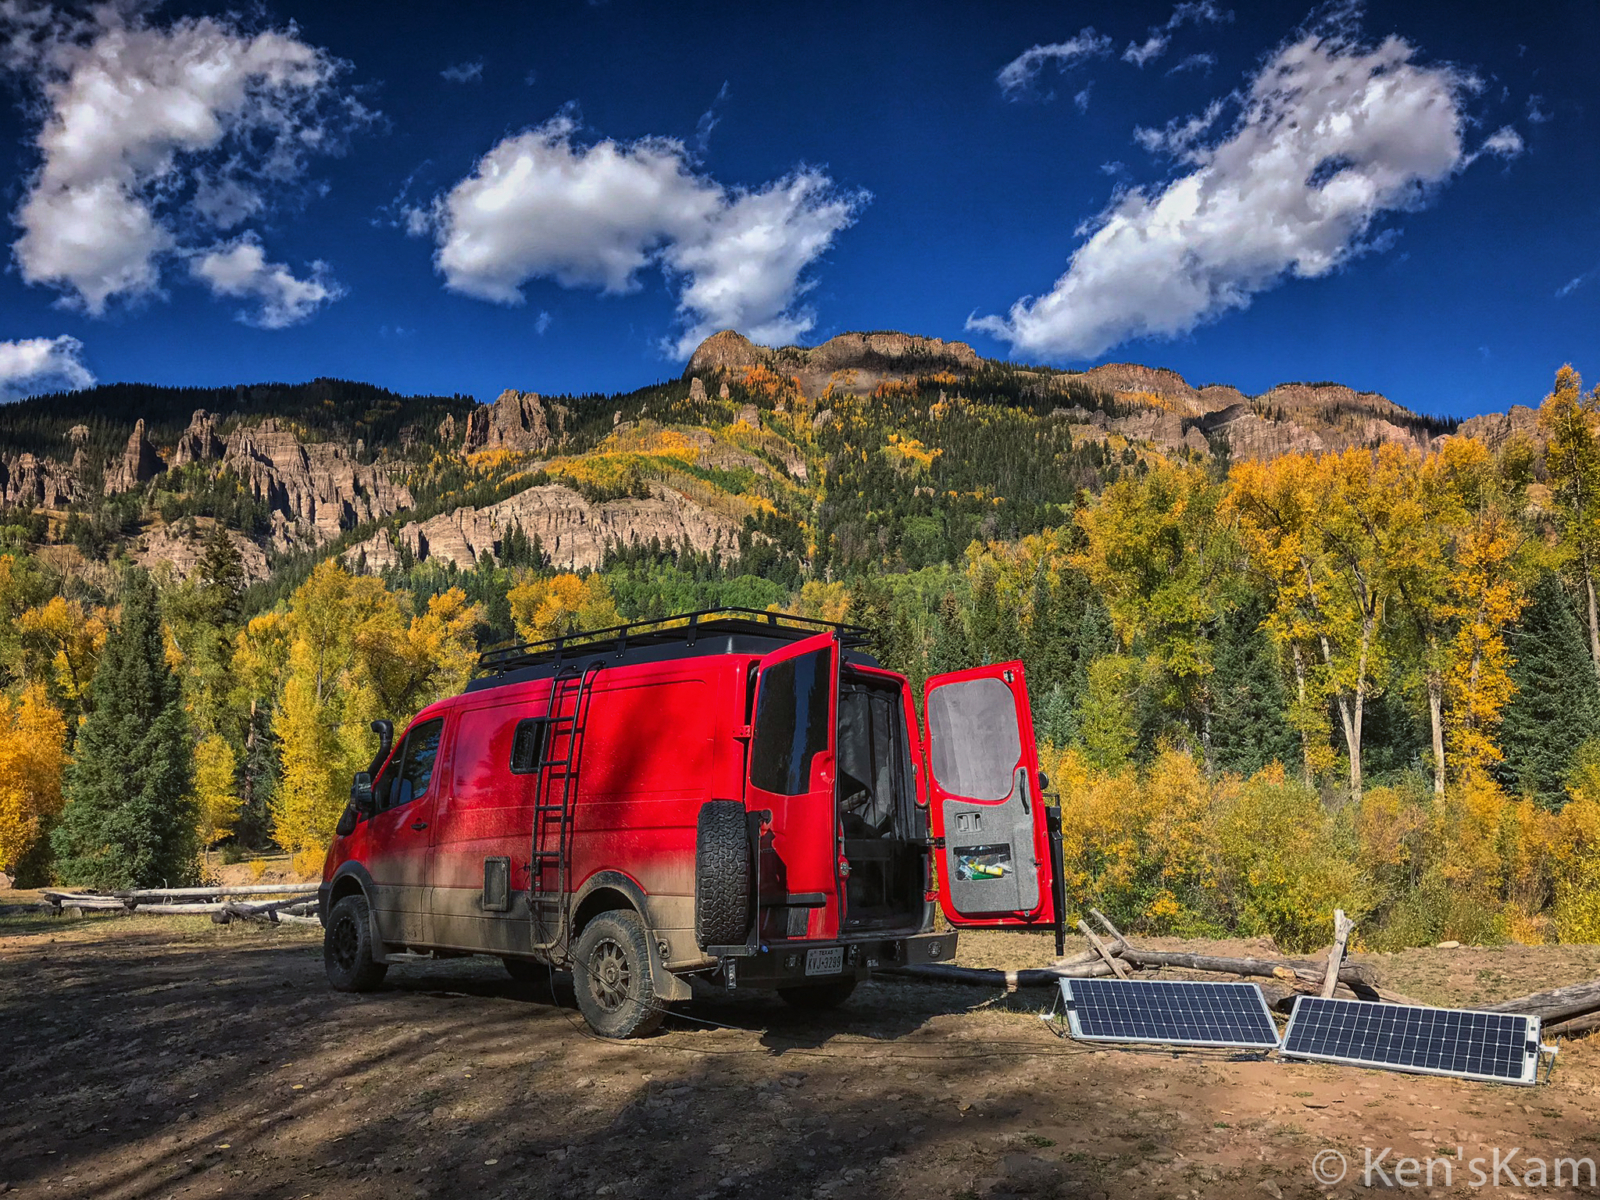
x=564, y=197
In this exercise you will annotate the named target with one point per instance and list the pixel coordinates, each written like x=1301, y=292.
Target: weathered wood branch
x=1358, y=976
x=992, y=978
x=257, y=889
x=1587, y=1023
x=1103, y=951
x=1557, y=1004
x=1342, y=926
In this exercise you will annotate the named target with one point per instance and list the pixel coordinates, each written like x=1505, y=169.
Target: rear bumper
x=784, y=963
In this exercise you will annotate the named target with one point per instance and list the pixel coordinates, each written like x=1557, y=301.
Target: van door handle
x=419, y=826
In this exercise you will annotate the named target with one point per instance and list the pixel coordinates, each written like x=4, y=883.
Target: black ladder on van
x=549, y=881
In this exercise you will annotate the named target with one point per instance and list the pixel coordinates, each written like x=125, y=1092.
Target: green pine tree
x=1249, y=725
x=1556, y=705
x=128, y=821
x=950, y=650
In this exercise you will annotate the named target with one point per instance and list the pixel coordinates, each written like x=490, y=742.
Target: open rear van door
x=792, y=770
x=983, y=789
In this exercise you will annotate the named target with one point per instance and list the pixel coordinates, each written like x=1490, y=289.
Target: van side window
x=791, y=722
x=527, y=745
x=416, y=768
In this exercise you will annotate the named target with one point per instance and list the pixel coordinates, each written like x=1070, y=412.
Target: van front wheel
x=347, y=948
x=611, y=976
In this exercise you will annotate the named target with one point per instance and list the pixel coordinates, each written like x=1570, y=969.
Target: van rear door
x=983, y=785
x=791, y=774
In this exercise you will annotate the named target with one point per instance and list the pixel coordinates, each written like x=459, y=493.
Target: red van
x=739, y=795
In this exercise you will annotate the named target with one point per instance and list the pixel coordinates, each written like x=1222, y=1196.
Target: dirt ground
x=156, y=1057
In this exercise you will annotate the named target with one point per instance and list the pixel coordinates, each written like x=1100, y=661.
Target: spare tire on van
x=723, y=874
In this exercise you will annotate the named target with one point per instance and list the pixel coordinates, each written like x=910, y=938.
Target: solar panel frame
x=1222, y=1002
x=1518, y=1052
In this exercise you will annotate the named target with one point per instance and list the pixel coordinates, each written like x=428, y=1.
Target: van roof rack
x=682, y=628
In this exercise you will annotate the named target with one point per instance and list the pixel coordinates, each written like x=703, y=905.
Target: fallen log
x=1557, y=1004
x=1587, y=1023
x=258, y=889
x=1359, y=977
x=288, y=911
x=993, y=978
x=74, y=900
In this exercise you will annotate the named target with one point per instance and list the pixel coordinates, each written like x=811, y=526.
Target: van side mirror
x=361, y=794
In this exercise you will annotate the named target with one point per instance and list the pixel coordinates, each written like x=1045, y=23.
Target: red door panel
x=985, y=801
x=399, y=834
x=791, y=773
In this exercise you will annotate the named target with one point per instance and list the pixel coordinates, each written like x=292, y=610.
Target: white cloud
x=1576, y=282
x=1504, y=142
x=540, y=206
x=1536, y=111
x=467, y=72
x=709, y=120
x=1081, y=100
x=30, y=366
x=542, y=324
x=1139, y=53
x=1017, y=76
x=239, y=270
x=1330, y=134
x=1195, y=62
x=152, y=138
x=1155, y=45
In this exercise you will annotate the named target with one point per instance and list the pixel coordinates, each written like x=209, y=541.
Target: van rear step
x=787, y=963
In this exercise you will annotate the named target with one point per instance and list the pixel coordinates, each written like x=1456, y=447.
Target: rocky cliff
x=139, y=462
x=32, y=482
x=519, y=421
x=315, y=491
x=852, y=361
x=573, y=532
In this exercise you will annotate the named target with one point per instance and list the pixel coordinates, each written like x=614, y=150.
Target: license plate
x=825, y=962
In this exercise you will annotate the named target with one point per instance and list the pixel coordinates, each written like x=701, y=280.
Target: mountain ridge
x=746, y=436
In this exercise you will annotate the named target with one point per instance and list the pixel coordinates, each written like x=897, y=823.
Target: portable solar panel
x=1169, y=1012
x=1496, y=1047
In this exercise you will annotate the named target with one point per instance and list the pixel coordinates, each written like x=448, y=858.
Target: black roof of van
x=742, y=631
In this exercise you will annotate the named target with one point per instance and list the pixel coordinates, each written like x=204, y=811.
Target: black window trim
x=398, y=758
x=543, y=725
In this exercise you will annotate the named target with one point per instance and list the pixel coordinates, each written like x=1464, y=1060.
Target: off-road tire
x=611, y=977
x=525, y=970
x=722, y=874
x=347, y=948
x=816, y=996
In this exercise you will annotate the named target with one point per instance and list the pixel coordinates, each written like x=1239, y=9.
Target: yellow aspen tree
x=309, y=799
x=1571, y=422
x=1488, y=589
x=1274, y=505
x=70, y=637
x=33, y=755
x=1159, y=553
x=215, y=789
x=560, y=605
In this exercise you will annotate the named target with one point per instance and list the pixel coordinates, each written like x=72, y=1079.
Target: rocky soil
x=155, y=1057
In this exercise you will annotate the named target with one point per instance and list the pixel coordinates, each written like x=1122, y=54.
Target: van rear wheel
x=347, y=948
x=819, y=995
x=611, y=977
